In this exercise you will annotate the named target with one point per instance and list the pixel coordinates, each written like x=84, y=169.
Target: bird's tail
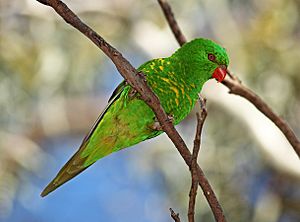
x=72, y=168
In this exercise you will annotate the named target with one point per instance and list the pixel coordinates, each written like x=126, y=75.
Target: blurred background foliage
x=54, y=83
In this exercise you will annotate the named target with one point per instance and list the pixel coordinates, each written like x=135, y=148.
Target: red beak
x=220, y=73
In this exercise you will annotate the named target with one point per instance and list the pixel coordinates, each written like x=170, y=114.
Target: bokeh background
x=54, y=83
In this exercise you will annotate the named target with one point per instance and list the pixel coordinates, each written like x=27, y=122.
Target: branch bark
x=236, y=87
x=167, y=10
x=138, y=82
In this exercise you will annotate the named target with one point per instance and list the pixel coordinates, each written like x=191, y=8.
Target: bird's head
x=206, y=58
x=217, y=59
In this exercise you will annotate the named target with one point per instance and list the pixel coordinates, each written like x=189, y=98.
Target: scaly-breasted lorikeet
x=128, y=120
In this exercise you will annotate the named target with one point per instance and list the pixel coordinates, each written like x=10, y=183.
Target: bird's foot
x=156, y=125
x=142, y=75
x=132, y=93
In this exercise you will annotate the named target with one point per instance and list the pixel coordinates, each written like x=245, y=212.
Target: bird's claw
x=132, y=93
x=142, y=75
x=156, y=125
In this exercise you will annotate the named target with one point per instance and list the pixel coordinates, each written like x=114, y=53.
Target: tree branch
x=138, y=82
x=167, y=10
x=195, y=180
x=236, y=87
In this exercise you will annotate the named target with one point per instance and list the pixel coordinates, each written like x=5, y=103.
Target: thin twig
x=167, y=10
x=235, y=87
x=138, y=82
x=174, y=215
x=195, y=180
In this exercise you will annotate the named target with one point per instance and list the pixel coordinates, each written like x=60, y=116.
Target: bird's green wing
x=117, y=91
x=115, y=95
x=76, y=164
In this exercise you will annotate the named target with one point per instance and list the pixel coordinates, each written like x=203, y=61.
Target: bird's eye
x=211, y=57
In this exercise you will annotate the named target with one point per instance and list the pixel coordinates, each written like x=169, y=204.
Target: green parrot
x=127, y=120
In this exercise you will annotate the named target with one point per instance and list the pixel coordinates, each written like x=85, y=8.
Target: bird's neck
x=192, y=74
